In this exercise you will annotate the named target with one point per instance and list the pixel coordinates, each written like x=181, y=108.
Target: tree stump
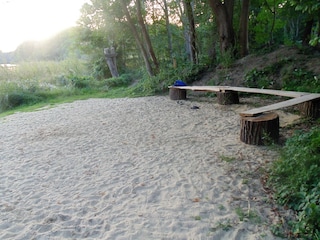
x=310, y=108
x=177, y=94
x=228, y=97
x=260, y=130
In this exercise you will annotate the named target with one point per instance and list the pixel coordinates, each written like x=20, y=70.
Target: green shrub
x=123, y=80
x=295, y=179
x=300, y=79
x=81, y=82
x=265, y=78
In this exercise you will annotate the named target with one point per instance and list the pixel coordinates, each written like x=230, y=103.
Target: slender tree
x=139, y=41
x=191, y=33
x=168, y=27
x=243, y=29
x=146, y=36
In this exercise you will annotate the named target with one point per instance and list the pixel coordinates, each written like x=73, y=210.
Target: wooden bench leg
x=260, y=130
x=310, y=109
x=177, y=94
x=228, y=97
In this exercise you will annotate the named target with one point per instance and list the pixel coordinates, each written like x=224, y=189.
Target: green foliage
x=123, y=80
x=249, y=215
x=31, y=83
x=292, y=78
x=295, y=178
x=159, y=83
x=226, y=59
x=300, y=79
x=264, y=78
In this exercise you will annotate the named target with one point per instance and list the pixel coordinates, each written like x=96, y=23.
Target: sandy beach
x=141, y=168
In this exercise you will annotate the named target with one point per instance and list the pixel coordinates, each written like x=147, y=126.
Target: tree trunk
x=310, y=109
x=111, y=58
x=260, y=130
x=307, y=32
x=224, y=18
x=169, y=34
x=137, y=38
x=177, y=94
x=146, y=36
x=191, y=32
x=228, y=97
x=243, y=31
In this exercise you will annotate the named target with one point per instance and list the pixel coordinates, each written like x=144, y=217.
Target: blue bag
x=179, y=83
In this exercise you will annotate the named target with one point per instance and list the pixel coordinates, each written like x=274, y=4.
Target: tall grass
x=32, y=82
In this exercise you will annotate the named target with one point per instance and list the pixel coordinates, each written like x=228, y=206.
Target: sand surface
x=143, y=168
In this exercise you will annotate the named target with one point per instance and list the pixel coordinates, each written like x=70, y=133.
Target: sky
x=34, y=20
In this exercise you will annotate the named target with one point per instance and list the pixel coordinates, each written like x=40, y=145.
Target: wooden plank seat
x=288, y=103
x=241, y=89
x=257, y=122
x=298, y=97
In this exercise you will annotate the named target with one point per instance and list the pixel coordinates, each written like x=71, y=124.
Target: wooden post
x=228, y=97
x=310, y=108
x=260, y=130
x=177, y=94
x=111, y=58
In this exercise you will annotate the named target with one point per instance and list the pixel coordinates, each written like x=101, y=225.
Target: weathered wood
x=111, y=59
x=228, y=97
x=243, y=89
x=260, y=130
x=288, y=103
x=269, y=91
x=199, y=88
x=177, y=94
x=310, y=109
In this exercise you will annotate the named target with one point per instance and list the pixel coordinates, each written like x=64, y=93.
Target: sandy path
x=144, y=168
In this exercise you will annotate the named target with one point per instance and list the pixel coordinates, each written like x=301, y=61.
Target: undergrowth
x=292, y=78
x=295, y=179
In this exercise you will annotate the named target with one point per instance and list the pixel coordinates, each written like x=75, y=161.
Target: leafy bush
x=295, y=179
x=299, y=79
x=82, y=82
x=123, y=80
x=264, y=78
x=159, y=83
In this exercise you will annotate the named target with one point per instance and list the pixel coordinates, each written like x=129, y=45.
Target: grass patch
x=249, y=215
x=227, y=158
x=224, y=225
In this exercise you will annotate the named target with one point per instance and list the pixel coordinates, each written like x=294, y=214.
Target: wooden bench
x=258, y=123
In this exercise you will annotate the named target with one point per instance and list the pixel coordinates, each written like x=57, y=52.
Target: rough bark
x=146, y=36
x=260, y=130
x=191, y=32
x=310, y=109
x=169, y=34
x=177, y=94
x=243, y=31
x=138, y=39
x=224, y=17
x=307, y=32
x=111, y=58
x=228, y=97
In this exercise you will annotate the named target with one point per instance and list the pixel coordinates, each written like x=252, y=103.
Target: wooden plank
x=288, y=103
x=243, y=89
x=200, y=88
x=269, y=91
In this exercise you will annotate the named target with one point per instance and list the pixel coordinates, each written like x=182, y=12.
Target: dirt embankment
x=235, y=75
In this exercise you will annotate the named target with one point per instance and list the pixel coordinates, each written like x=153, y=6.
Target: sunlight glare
x=23, y=20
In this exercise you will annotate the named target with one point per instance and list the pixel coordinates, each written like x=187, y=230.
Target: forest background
x=152, y=43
